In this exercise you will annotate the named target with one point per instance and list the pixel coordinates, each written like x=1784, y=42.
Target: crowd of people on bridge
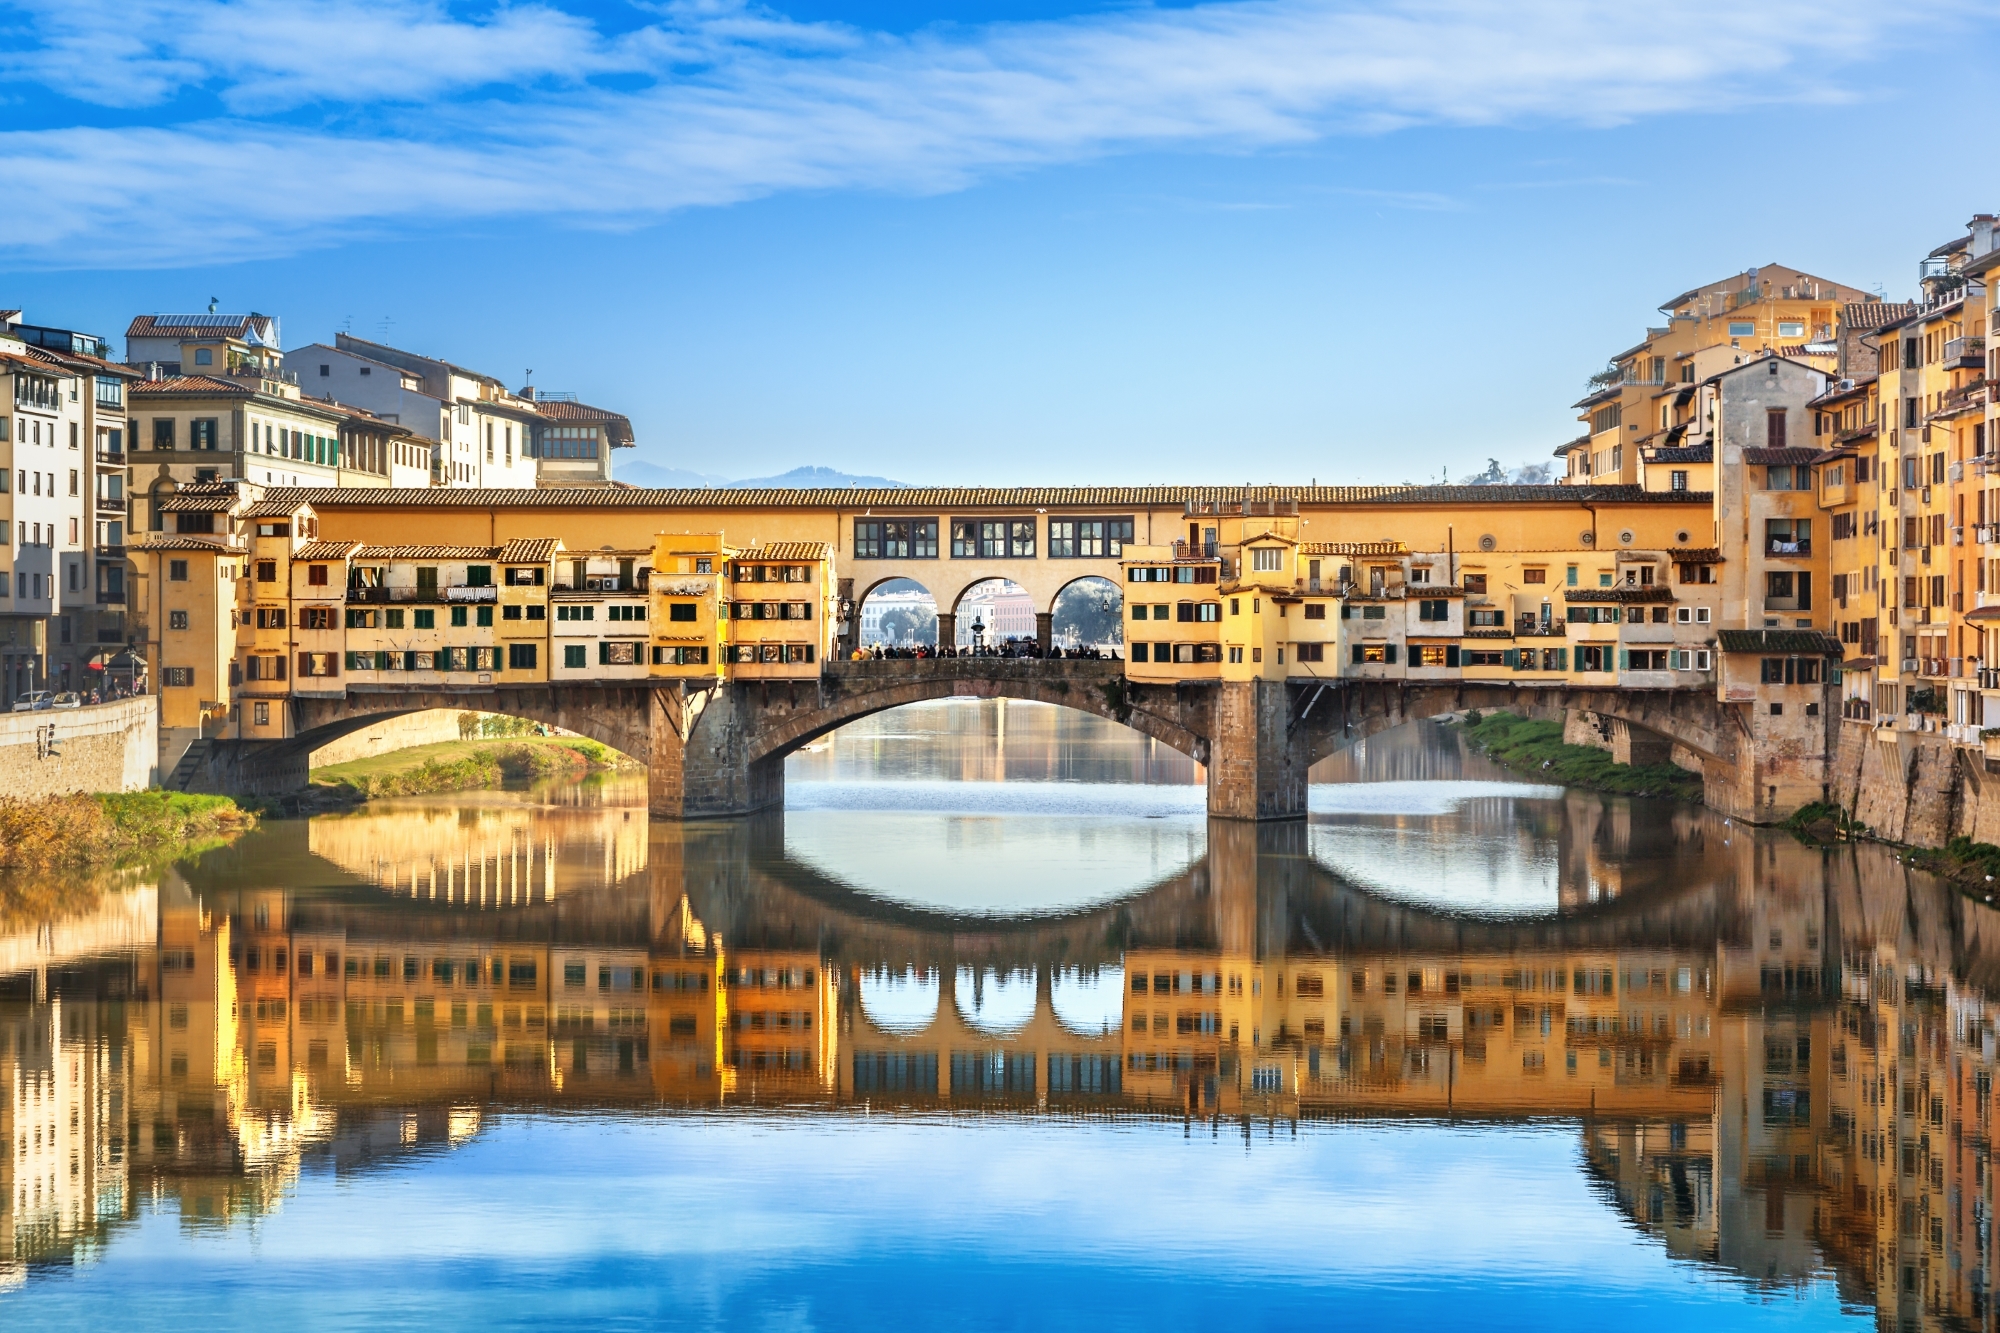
x=1007, y=648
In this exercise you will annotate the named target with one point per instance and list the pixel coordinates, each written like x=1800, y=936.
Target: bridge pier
x=1254, y=769
x=700, y=762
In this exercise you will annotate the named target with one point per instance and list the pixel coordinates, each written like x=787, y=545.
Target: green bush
x=1536, y=747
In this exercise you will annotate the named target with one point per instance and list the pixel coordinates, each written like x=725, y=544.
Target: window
x=573, y=655
x=681, y=611
x=423, y=619
x=479, y=576
x=178, y=677
x=1311, y=652
x=526, y=576
x=1088, y=538
x=482, y=615
x=1534, y=576
x=1267, y=559
x=1742, y=328
x=1315, y=610
x=1434, y=609
x=177, y=620
x=521, y=657
x=992, y=538
x=1680, y=479
x=177, y=571
x=506, y=613
x=1590, y=657
x=896, y=539
x=202, y=433
x=1474, y=583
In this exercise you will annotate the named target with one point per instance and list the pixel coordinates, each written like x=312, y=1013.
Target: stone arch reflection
x=1089, y=1001
x=996, y=1001
x=899, y=1000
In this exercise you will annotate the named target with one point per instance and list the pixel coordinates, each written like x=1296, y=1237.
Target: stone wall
x=103, y=747
x=1915, y=787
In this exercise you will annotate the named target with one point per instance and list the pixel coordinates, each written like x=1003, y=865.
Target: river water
x=992, y=1028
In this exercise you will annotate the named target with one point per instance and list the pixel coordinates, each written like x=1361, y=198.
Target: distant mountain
x=638, y=473
x=665, y=478
x=819, y=477
x=1527, y=474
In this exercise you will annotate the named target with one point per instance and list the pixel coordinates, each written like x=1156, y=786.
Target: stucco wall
x=390, y=733
x=106, y=747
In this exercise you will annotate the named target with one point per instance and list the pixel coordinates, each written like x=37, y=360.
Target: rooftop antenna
x=383, y=326
x=531, y=376
x=213, y=302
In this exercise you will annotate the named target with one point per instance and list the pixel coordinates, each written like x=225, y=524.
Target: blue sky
x=1259, y=240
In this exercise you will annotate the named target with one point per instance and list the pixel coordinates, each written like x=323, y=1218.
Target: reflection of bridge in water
x=1724, y=1043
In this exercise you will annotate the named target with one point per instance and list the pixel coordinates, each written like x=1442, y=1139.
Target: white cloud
x=421, y=118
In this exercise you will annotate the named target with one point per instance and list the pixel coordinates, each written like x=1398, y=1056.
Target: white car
x=68, y=699
x=35, y=701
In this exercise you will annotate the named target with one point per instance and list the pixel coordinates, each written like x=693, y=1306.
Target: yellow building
x=690, y=609
x=781, y=611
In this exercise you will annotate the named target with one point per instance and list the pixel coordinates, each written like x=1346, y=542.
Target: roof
x=347, y=342
x=183, y=503
x=1695, y=555
x=1686, y=453
x=272, y=509
x=1779, y=641
x=617, y=427
x=1868, y=316
x=252, y=327
x=1570, y=447
x=195, y=384
x=937, y=499
x=164, y=541
x=785, y=551
x=427, y=553
x=325, y=550
x=529, y=551
x=1779, y=457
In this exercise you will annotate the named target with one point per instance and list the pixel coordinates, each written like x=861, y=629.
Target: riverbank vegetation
x=465, y=765
x=1535, y=748
x=74, y=831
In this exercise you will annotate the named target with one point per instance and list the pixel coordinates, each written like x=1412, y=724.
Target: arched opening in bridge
x=994, y=614
x=897, y=613
x=1088, y=613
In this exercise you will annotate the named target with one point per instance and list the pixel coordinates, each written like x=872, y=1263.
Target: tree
x=1090, y=612
x=908, y=624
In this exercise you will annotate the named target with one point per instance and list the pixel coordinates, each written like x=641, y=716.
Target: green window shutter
x=1511, y=658
x=1451, y=655
x=1389, y=653
x=1562, y=659
x=603, y=653
x=1357, y=654
x=1624, y=659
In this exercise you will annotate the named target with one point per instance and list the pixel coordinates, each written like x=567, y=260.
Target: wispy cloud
x=345, y=114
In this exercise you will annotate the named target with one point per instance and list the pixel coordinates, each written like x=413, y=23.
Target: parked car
x=68, y=699
x=35, y=701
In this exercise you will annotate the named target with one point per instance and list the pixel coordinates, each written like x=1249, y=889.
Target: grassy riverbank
x=74, y=831
x=466, y=765
x=1535, y=749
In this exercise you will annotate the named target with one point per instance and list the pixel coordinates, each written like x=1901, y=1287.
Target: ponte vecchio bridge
x=717, y=747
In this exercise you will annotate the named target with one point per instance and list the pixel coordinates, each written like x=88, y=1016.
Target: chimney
x=528, y=392
x=1981, y=229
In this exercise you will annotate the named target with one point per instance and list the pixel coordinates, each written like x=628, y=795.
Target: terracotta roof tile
x=940, y=499
x=179, y=503
x=428, y=553
x=1687, y=453
x=325, y=550
x=617, y=426
x=191, y=384
x=529, y=550
x=272, y=509
x=1778, y=457
x=1652, y=593
x=1353, y=548
x=165, y=541
x=1695, y=555
x=786, y=551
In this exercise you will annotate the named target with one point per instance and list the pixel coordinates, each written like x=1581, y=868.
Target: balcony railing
x=1970, y=350
x=1989, y=678
x=1802, y=547
x=1530, y=627
x=484, y=592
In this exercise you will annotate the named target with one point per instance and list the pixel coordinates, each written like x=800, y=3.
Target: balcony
x=1799, y=549
x=111, y=597
x=1989, y=678
x=459, y=593
x=1937, y=667
x=1967, y=352
x=1528, y=627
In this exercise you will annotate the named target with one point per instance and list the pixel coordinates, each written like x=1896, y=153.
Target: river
x=991, y=1027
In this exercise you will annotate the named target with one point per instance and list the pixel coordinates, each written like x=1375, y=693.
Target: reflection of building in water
x=500, y=855
x=1779, y=1072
